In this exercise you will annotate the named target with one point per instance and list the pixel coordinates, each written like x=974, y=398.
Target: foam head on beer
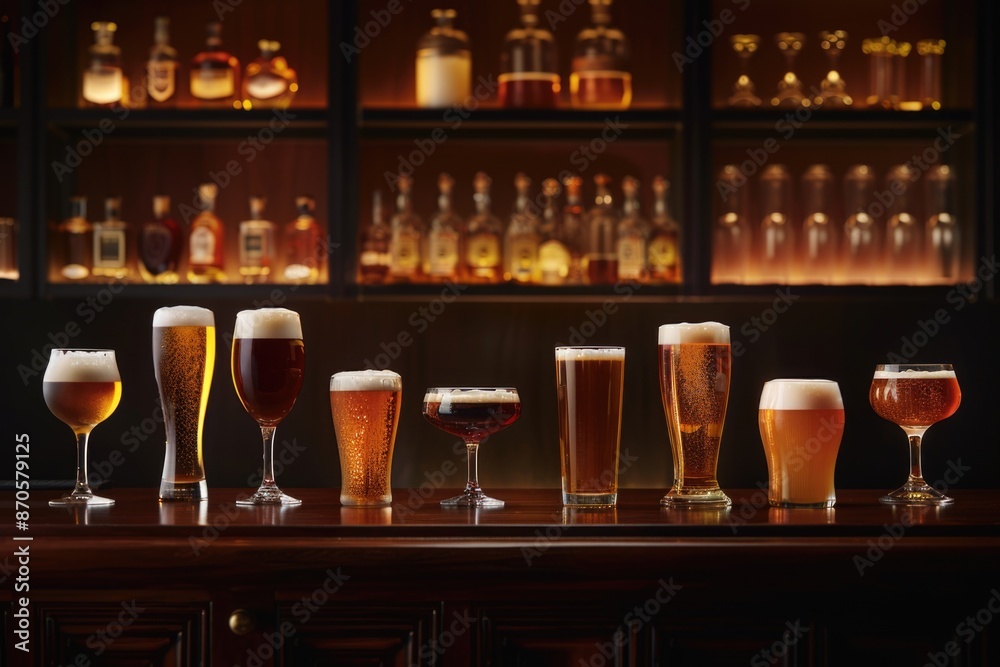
x=472, y=396
x=268, y=323
x=369, y=380
x=183, y=316
x=705, y=333
x=82, y=366
x=913, y=374
x=589, y=353
x=801, y=395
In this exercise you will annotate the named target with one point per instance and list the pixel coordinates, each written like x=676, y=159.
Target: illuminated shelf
x=182, y=291
x=289, y=122
x=836, y=122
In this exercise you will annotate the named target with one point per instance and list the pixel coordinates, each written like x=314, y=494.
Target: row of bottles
x=880, y=239
x=268, y=81
x=529, y=72
x=102, y=249
x=542, y=242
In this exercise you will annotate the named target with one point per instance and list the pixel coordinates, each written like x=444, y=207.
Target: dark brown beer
x=471, y=415
x=268, y=373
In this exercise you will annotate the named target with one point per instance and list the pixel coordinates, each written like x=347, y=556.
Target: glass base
x=81, y=499
x=382, y=501
x=916, y=493
x=472, y=498
x=704, y=497
x=269, y=495
x=825, y=504
x=589, y=499
x=183, y=491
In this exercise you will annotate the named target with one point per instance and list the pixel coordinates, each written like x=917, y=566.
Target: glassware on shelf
x=861, y=242
x=161, y=68
x=631, y=234
x=904, y=242
x=444, y=63
x=303, y=243
x=880, y=52
x=574, y=222
x=375, y=259
x=206, y=240
x=600, y=256
x=554, y=257
x=76, y=235
x=790, y=93
x=215, y=73
x=900, y=91
x=102, y=80
x=160, y=242
x=833, y=89
x=8, y=249
x=484, y=236
x=444, y=240
x=930, y=52
x=256, y=243
x=777, y=234
x=520, y=251
x=268, y=80
x=111, y=242
x=744, y=93
x=819, y=236
x=407, y=236
x=943, y=236
x=663, y=258
x=600, y=78
x=731, y=236
x=529, y=64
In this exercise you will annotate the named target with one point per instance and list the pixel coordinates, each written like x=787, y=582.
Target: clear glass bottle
x=904, y=241
x=554, y=256
x=943, y=235
x=215, y=73
x=444, y=63
x=444, y=240
x=521, y=238
x=161, y=68
x=600, y=77
x=819, y=237
x=160, y=242
x=600, y=250
x=207, y=240
x=731, y=237
x=373, y=264
x=256, y=243
x=269, y=82
x=574, y=222
x=631, y=235
x=111, y=242
x=777, y=237
x=303, y=244
x=483, y=236
x=861, y=238
x=529, y=64
x=76, y=240
x=663, y=252
x=102, y=80
x=407, y=236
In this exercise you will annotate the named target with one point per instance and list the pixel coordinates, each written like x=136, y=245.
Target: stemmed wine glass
x=268, y=364
x=914, y=396
x=473, y=414
x=790, y=93
x=82, y=388
x=743, y=91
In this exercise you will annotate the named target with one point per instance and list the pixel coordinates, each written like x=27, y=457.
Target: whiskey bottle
x=777, y=238
x=445, y=236
x=663, y=259
x=943, y=240
x=904, y=242
x=76, y=234
x=484, y=234
x=102, y=80
x=731, y=240
x=215, y=72
x=553, y=252
x=269, y=81
x=521, y=239
x=444, y=64
x=161, y=68
x=303, y=245
x=574, y=222
x=600, y=251
x=600, y=78
x=160, y=242
x=819, y=240
x=630, y=244
x=111, y=242
x=407, y=236
x=373, y=264
x=256, y=243
x=206, y=241
x=529, y=64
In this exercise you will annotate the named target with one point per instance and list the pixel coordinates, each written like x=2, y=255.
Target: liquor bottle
x=445, y=236
x=269, y=81
x=373, y=265
x=630, y=238
x=407, y=236
x=600, y=78
x=483, y=236
x=600, y=251
x=777, y=238
x=160, y=242
x=521, y=238
x=819, y=239
x=903, y=247
x=444, y=64
x=943, y=241
x=574, y=223
x=215, y=73
x=663, y=256
x=861, y=242
x=161, y=68
x=731, y=234
x=303, y=244
x=529, y=64
x=256, y=243
x=76, y=236
x=554, y=256
x=102, y=80
x=7, y=87
x=111, y=242
x=206, y=241
x=8, y=249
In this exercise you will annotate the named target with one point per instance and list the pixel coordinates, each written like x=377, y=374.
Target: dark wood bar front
x=531, y=584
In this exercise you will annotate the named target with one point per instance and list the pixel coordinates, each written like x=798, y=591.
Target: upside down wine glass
x=915, y=396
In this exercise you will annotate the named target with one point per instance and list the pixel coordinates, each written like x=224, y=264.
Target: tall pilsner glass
x=694, y=364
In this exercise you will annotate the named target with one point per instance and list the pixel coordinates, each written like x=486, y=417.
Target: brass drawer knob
x=241, y=622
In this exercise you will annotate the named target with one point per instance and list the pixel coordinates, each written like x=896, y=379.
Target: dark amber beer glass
x=694, y=364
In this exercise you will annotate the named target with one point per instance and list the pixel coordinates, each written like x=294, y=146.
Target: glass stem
x=267, y=433
x=82, y=481
x=916, y=470
x=472, y=486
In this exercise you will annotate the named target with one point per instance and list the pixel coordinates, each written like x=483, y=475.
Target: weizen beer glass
x=183, y=361
x=801, y=424
x=82, y=388
x=694, y=364
x=268, y=364
x=914, y=396
x=589, y=387
x=365, y=408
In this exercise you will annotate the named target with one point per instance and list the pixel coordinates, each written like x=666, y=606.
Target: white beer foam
x=589, y=353
x=183, y=316
x=699, y=332
x=268, y=323
x=796, y=394
x=912, y=374
x=369, y=380
x=82, y=366
x=472, y=396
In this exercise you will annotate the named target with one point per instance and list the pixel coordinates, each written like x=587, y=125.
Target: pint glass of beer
x=801, y=424
x=589, y=383
x=365, y=407
x=183, y=360
x=694, y=365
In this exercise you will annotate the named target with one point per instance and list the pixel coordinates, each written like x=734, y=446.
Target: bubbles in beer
x=268, y=323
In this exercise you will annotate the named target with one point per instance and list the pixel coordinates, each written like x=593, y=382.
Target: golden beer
x=82, y=405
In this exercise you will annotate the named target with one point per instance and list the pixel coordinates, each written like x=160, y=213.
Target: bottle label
x=102, y=85
x=372, y=258
x=202, y=246
x=553, y=260
x=662, y=253
x=523, y=255
x=444, y=253
x=155, y=246
x=253, y=246
x=161, y=80
x=631, y=257
x=212, y=83
x=405, y=253
x=109, y=248
x=483, y=251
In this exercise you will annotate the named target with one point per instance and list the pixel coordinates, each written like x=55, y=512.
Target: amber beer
x=589, y=385
x=268, y=362
x=183, y=361
x=801, y=425
x=365, y=407
x=915, y=398
x=694, y=365
x=82, y=387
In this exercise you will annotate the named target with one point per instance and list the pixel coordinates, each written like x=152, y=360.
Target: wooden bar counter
x=532, y=584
